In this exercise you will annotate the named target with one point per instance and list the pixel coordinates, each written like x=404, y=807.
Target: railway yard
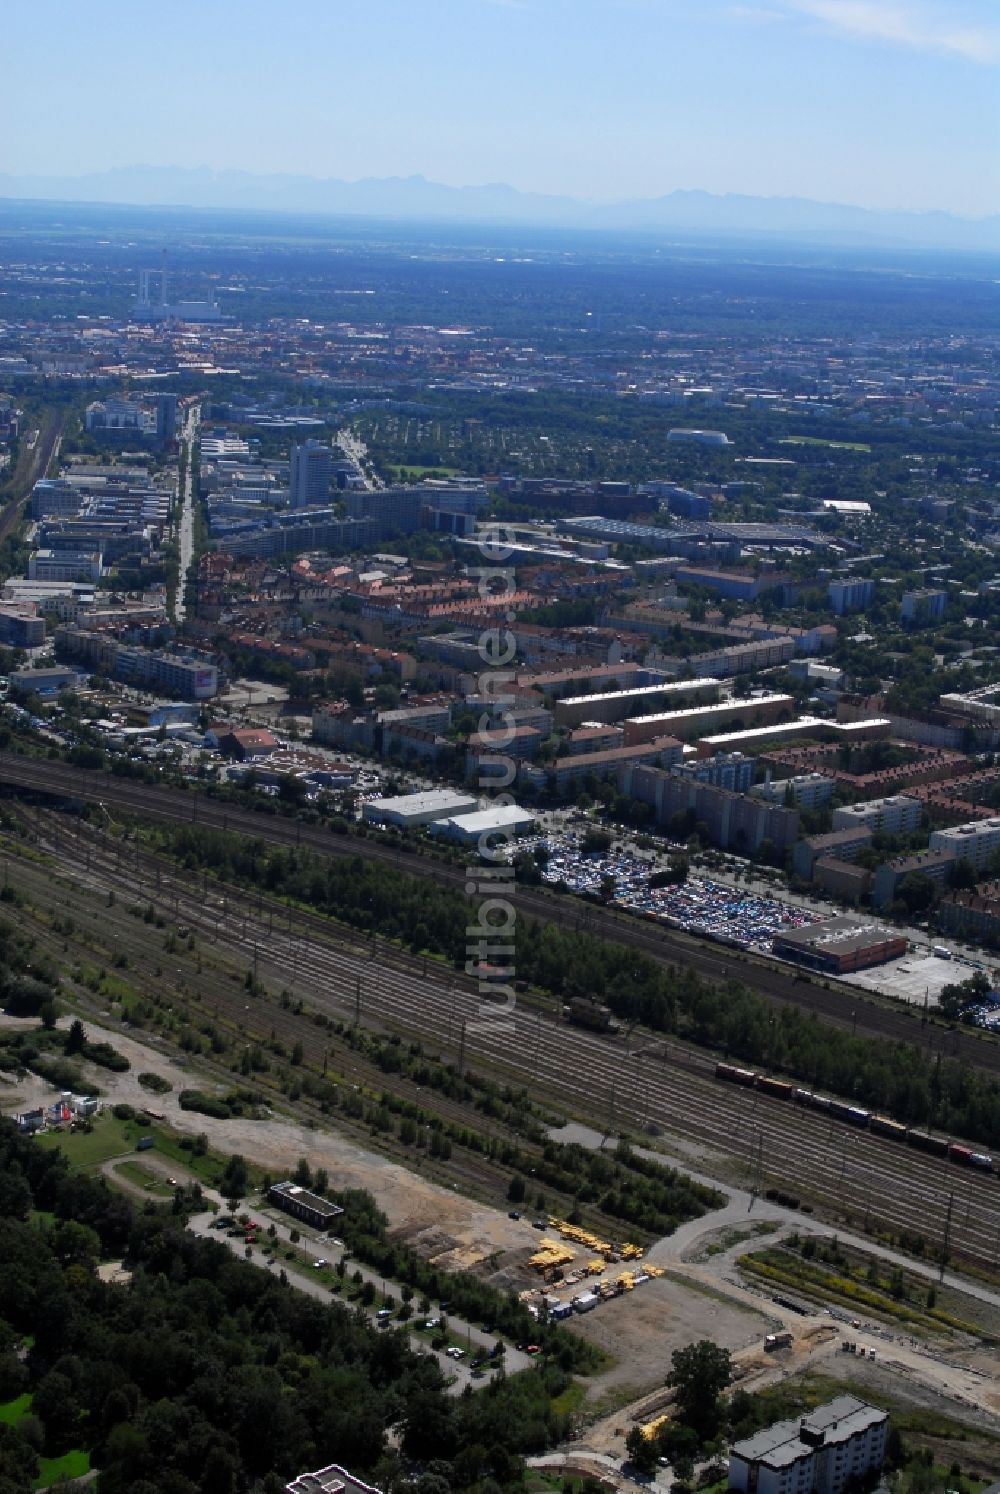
x=636, y=1085
x=841, y=1006
x=268, y=975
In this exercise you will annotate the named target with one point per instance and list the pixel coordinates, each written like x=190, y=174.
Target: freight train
x=854, y=1115
x=590, y=1014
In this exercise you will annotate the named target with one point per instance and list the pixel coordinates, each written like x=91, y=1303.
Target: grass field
x=116, y=1138
x=12, y=1411
x=818, y=441
x=417, y=473
x=73, y=1464
x=142, y=1177
x=109, y=1138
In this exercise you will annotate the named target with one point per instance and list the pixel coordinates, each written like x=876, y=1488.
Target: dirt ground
x=642, y=1328
x=980, y=1445
x=436, y=1221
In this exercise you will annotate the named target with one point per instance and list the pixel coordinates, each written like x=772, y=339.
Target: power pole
x=461, y=1050
x=947, y=1236
x=357, y=1001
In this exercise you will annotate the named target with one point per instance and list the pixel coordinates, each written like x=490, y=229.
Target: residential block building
x=895, y=815
x=841, y=1442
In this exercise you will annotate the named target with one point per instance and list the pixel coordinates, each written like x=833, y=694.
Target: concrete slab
x=916, y=978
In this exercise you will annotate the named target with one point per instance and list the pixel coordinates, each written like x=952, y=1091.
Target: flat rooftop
x=835, y=935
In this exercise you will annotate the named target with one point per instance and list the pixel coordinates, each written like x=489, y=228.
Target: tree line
x=205, y=1373
x=896, y=1078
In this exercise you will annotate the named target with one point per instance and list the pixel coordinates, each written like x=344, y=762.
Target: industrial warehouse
x=838, y=946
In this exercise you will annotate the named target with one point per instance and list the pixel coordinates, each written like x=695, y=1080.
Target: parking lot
x=701, y=905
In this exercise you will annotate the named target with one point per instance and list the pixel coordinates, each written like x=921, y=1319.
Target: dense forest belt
x=839, y=1005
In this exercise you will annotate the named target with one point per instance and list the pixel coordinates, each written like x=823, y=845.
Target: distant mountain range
x=415, y=199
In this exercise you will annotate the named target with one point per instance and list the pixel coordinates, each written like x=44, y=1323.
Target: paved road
x=456, y=1372
x=185, y=525
x=356, y=451
x=743, y=1208
x=317, y=1246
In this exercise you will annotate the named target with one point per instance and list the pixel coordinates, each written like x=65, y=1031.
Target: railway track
x=865, y=1179
x=842, y=1006
x=219, y=998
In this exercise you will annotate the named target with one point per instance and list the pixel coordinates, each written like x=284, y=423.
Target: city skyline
x=876, y=103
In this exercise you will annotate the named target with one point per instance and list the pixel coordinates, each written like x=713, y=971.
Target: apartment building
x=191, y=678
x=761, y=736
x=728, y=770
x=922, y=606
x=806, y=790
x=727, y=819
x=840, y=845
x=974, y=841
x=569, y=774
x=616, y=705
x=895, y=815
x=839, y=1443
x=310, y=471
x=745, y=658
x=853, y=595
x=393, y=510
x=972, y=914
x=890, y=875
x=692, y=722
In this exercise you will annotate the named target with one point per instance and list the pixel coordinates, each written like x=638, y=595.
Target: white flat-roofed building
x=694, y=721
x=838, y=1444
x=807, y=790
x=698, y=437
x=408, y=811
x=64, y=565
x=616, y=705
x=502, y=821
x=63, y=598
x=329, y=1480
x=974, y=842
x=895, y=815
x=761, y=736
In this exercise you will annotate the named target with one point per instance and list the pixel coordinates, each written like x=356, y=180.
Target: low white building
x=408, y=811
x=329, y=1480
x=821, y=1454
x=502, y=821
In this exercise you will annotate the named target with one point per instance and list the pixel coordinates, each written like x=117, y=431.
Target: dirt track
x=438, y=1221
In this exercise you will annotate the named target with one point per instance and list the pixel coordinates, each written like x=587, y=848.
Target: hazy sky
x=885, y=103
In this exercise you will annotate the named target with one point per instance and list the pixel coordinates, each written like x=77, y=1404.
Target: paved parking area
x=702, y=905
x=916, y=978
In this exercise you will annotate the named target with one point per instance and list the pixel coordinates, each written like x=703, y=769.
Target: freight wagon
x=590, y=1014
x=856, y=1115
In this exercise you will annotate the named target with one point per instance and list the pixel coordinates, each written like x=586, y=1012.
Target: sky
x=890, y=104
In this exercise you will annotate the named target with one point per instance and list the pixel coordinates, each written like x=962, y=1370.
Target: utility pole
x=947, y=1236
x=357, y=1000
x=461, y=1051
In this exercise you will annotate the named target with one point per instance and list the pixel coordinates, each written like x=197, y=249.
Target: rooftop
x=836, y=935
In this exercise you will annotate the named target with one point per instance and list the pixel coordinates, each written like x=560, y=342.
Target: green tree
x=76, y=1038
x=641, y=1450
x=515, y=1189
x=699, y=1373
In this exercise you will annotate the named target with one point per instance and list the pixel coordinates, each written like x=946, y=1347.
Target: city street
x=185, y=523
